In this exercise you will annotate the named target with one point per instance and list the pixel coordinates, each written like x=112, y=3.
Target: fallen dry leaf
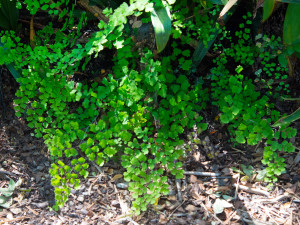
x=163, y=219
x=191, y=208
x=110, y=171
x=116, y=177
x=193, y=179
x=196, y=156
x=285, y=205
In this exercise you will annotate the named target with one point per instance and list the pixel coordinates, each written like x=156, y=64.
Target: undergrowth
x=138, y=113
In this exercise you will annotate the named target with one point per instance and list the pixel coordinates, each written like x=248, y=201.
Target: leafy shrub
x=135, y=115
x=139, y=112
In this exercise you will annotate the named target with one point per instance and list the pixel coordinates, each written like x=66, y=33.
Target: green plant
x=6, y=194
x=273, y=74
x=291, y=27
x=9, y=15
x=138, y=113
x=161, y=20
x=248, y=114
x=135, y=114
x=288, y=119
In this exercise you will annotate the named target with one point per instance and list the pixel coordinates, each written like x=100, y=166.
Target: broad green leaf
x=11, y=66
x=6, y=192
x=161, y=21
x=261, y=174
x=2, y=200
x=268, y=8
x=201, y=51
x=282, y=59
x=289, y=1
x=13, y=71
x=9, y=14
x=5, y=202
x=220, y=204
x=290, y=99
x=247, y=170
x=218, y=2
x=237, y=170
x=291, y=27
x=288, y=119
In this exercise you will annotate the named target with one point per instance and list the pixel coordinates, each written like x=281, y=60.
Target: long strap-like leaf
x=11, y=67
x=202, y=49
x=288, y=119
x=161, y=20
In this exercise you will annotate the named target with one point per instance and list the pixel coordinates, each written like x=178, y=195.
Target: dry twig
x=15, y=219
x=96, y=11
x=204, y=207
x=252, y=190
x=176, y=209
x=7, y=173
x=237, y=186
x=274, y=200
x=178, y=186
x=238, y=150
x=205, y=174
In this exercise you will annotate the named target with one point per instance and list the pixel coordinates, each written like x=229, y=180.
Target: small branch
x=15, y=219
x=256, y=222
x=230, y=217
x=273, y=200
x=126, y=219
x=205, y=174
x=220, y=177
x=251, y=190
x=237, y=186
x=178, y=190
x=257, y=146
x=96, y=11
x=176, y=209
x=7, y=173
x=238, y=150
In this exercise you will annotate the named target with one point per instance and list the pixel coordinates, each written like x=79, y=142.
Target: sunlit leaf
x=161, y=20
x=227, y=7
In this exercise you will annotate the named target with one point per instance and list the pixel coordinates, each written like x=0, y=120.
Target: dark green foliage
x=9, y=14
